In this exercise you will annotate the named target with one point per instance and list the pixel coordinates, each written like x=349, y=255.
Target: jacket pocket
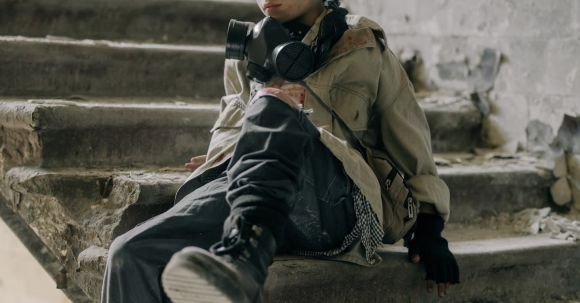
x=400, y=208
x=352, y=107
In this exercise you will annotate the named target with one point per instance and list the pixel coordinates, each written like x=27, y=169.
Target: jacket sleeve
x=404, y=134
x=235, y=80
x=232, y=108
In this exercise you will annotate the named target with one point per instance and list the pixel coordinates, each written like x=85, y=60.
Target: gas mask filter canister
x=269, y=50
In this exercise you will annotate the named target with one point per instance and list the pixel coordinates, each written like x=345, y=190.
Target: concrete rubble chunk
x=482, y=102
x=574, y=177
x=569, y=135
x=561, y=167
x=92, y=258
x=414, y=65
x=535, y=221
x=539, y=138
x=483, y=76
x=561, y=192
x=529, y=220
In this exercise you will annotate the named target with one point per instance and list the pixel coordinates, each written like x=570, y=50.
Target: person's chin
x=280, y=17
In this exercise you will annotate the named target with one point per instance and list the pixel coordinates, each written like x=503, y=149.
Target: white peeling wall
x=539, y=76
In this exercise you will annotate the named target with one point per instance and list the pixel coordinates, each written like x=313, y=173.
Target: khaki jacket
x=367, y=87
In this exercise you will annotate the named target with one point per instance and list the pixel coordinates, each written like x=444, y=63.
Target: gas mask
x=269, y=50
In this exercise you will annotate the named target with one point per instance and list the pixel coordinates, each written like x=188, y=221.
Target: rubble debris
x=414, y=66
x=540, y=137
x=528, y=220
x=563, y=151
x=573, y=161
x=92, y=259
x=536, y=221
x=561, y=167
x=481, y=101
x=482, y=77
x=561, y=192
x=568, y=138
x=441, y=161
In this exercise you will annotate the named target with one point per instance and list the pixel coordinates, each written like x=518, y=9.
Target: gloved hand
x=430, y=247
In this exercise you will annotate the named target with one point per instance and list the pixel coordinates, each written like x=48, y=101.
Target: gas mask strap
x=332, y=26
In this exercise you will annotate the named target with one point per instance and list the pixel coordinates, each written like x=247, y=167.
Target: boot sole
x=194, y=276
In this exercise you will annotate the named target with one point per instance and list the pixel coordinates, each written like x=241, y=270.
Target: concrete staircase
x=94, y=134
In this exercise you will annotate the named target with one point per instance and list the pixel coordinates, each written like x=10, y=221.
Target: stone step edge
x=393, y=257
x=18, y=113
x=480, y=263
x=67, y=114
x=461, y=169
x=163, y=173
x=63, y=41
x=461, y=248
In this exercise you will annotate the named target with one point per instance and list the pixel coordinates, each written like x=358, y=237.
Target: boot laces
x=236, y=244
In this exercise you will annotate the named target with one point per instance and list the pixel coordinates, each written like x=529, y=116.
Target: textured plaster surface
x=539, y=76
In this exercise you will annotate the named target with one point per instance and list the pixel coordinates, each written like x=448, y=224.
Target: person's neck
x=310, y=17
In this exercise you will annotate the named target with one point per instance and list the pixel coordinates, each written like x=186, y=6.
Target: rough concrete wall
x=539, y=40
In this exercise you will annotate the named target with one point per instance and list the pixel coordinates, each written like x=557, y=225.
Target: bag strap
x=395, y=182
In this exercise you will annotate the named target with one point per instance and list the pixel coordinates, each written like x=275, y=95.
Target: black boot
x=234, y=270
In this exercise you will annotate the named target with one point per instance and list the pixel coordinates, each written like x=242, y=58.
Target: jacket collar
x=313, y=32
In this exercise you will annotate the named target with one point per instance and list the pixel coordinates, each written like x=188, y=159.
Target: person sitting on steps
x=282, y=176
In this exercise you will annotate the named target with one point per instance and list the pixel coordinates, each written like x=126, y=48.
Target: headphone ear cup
x=294, y=61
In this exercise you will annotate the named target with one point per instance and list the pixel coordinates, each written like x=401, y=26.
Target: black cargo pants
x=280, y=176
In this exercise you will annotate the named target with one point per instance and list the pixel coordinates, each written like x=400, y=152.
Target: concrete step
x=85, y=134
x=71, y=210
x=483, y=186
x=521, y=268
x=63, y=68
x=455, y=122
x=477, y=191
x=111, y=132
x=159, y=21
x=514, y=269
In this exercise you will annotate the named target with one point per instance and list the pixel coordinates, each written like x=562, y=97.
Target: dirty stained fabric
x=368, y=88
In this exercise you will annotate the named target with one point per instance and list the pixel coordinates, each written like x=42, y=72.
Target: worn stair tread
x=455, y=122
x=85, y=134
x=126, y=131
x=58, y=114
x=55, y=40
x=542, y=267
x=483, y=186
x=395, y=279
x=90, y=211
x=58, y=67
x=537, y=263
x=122, y=191
x=173, y=21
